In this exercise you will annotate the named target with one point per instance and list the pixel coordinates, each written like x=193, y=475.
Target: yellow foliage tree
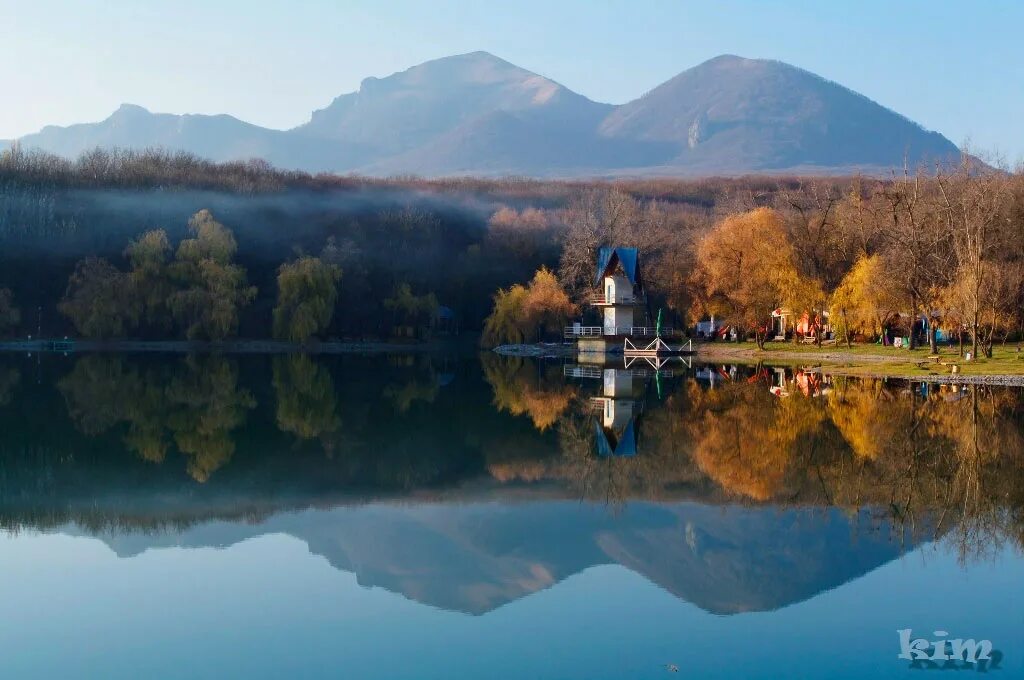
x=524, y=313
x=865, y=301
x=745, y=269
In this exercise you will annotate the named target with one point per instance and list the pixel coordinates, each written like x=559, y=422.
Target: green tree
x=307, y=291
x=410, y=310
x=211, y=290
x=97, y=299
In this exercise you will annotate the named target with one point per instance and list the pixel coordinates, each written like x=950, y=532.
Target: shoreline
x=864, y=361
x=53, y=346
x=860, y=361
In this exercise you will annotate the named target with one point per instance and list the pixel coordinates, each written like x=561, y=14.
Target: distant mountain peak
x=127, y=109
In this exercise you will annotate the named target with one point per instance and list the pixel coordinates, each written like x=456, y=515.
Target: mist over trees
x=210, y=245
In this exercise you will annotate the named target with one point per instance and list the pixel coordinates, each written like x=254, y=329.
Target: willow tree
x=307, y=291
x=210, y=289
x=506, y=322
x=306, y=400
x=149, y=282
x=745, y=269
x=97, y=299
x=866, y=300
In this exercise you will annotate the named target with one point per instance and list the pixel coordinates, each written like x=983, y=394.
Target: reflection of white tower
x=616, y=431
x=617, y=405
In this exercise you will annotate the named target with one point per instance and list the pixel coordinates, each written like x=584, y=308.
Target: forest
x=156, y=245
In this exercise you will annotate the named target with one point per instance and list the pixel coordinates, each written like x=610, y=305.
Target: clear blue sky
x=955, y=67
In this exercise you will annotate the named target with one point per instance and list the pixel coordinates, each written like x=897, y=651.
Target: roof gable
x=608, y=258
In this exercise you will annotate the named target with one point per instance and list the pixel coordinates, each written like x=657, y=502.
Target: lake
x=448, y=515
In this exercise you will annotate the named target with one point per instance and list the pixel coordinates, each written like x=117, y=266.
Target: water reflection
x=735, y=488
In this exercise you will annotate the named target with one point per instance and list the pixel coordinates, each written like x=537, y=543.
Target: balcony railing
x=600, y=299
x=601, y=331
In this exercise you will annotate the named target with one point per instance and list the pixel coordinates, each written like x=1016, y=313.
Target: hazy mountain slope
x=506, y=143
x=219, y=138
x=733, y=114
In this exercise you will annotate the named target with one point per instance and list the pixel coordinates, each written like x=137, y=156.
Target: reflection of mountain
x=475, y=557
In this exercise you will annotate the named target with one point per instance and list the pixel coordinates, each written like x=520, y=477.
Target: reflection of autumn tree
x=526, y=388
x=406, y=394
x=9, y=379
x=986, y=462
x=306, y=403
x=206, y=404
x=197, y=407
x=855, y=406
x=744, y=437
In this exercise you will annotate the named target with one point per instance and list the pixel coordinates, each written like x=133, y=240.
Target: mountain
x=219, y=138
x=409, y=109
x=475, y=557
x=478, y=114
x=731, y=114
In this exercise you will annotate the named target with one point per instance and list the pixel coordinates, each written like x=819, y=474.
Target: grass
x=875, y=359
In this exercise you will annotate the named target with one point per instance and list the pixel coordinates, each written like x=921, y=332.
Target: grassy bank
x=870, y=359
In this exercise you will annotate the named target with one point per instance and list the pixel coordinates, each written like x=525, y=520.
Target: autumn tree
x=521, y=389
x=917, y=252
x=972, y=207
x=10, y=315
x=526, y=235
x=547, y=306
x=745, y=269
x=307, y=291
x=810, y=217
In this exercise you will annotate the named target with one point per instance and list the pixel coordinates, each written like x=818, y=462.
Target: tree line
x=877, y=254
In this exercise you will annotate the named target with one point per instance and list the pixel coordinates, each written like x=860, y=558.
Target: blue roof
x=608, y=257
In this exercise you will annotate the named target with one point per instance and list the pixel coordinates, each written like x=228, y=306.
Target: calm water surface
x=438, y=516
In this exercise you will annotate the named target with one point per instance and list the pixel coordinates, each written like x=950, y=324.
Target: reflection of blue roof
x=626, y=445
x=608, y=258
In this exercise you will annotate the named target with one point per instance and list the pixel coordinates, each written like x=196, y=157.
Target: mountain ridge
x=477, y=114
